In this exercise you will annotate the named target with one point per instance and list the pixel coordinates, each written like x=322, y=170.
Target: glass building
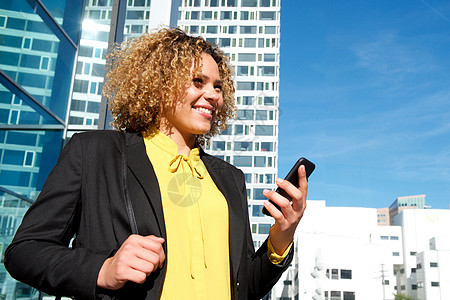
x=38, y=47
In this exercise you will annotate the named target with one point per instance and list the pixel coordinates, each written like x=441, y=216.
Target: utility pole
x=382, y=281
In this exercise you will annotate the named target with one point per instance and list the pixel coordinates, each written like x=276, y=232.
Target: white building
x=341, y=254
x=249, y=32
x=425, y=273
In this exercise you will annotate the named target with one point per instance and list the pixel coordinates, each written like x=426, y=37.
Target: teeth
x=204, y=110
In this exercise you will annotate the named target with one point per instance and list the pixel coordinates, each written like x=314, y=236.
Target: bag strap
x=129, y=207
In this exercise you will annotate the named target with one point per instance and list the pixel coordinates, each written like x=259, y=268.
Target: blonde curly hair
x=147, y=75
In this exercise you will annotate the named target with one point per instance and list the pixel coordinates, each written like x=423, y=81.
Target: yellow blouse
x=196, y=219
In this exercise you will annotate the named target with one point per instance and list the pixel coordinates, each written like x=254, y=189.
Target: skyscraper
x=249, y=32
x=38, y=45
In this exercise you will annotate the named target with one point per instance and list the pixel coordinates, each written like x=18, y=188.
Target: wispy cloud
x=389, y=54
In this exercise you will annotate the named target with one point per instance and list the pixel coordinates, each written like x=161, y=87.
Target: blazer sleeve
x=262, y=274
x=39, y=254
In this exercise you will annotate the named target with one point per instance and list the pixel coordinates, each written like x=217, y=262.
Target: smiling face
x=201, y=102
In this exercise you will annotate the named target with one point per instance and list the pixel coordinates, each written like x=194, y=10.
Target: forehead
x=209, y=66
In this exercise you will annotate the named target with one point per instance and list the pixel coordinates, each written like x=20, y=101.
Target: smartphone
x=292, y=177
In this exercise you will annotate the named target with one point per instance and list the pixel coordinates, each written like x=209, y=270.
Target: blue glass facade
x=38, y=47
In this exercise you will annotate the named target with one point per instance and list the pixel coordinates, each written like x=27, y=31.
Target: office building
x=406, y=202
x=38, y=46
x=249, y=32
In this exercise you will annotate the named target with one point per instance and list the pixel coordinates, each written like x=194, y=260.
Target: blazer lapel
x=221, y=173
x=142, y=168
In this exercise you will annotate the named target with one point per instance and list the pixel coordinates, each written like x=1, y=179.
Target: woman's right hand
x=134, y=261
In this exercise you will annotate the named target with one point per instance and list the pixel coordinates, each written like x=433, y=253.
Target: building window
x=434, y=283
x=413, y=270
x=250, y=43
x=419, y=266
x=394, y=238
x=257, y=211
x=248, y=178
x=243, y=161
x=266, y=146
x=334, y=274
x=242, y=71
x=26, y=44
x=412, y=253
x=242, y=146
x=2, y=21
x=349, y=295
x=219, y=146
x=395, y=254
x=264, y=228
x=433, y=264
x=245, y=86
x=211, y=29
x=267, y=15
x=414, y=287
x=226, y=15
x=248, y=29
x=261, y=114
x=271, y=29
x=335, y=295
x=249, y=3
x=264, y=130
x=248, y=100
x=246, y=57
x=195, y=15
x=258, y=194
x=93, y=88
x=194, y=29
x=260, y=161
x=384, y=237
x=346, y=274
x=206, y=15
x=45, y=63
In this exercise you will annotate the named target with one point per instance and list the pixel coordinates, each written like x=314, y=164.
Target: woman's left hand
x=286, y=221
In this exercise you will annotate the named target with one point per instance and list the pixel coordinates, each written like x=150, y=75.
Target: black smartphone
x=292, y=177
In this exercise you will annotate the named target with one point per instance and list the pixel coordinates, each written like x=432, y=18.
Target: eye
x=218, y=87
x=198, y=82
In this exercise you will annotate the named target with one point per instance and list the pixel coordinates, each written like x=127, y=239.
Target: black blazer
x=84, y=197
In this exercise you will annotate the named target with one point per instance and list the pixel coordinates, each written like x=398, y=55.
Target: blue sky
x=365, y=94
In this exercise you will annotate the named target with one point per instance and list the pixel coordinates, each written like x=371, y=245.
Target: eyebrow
x=218, y=81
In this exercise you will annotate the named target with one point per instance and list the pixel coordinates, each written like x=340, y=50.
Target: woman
x=154, y=217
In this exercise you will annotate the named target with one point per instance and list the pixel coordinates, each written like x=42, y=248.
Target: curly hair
x=147, y=75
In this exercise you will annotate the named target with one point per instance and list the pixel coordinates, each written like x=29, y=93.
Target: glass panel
x=67, y=14
x=257, y=211
x=18, y=109
x=37, y=53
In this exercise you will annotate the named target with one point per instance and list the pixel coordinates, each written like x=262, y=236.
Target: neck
x=185, y=143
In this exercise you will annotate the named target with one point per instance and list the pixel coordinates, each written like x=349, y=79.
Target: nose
x=211, y=93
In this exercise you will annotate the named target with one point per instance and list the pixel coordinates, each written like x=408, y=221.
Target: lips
x=203, y=110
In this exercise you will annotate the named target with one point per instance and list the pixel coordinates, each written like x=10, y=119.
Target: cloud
x=389, y=54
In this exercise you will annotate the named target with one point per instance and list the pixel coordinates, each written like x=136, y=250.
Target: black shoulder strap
x=129, y=207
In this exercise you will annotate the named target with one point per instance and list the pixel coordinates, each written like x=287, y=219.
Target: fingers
x=298, y=195
x=137, y=258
